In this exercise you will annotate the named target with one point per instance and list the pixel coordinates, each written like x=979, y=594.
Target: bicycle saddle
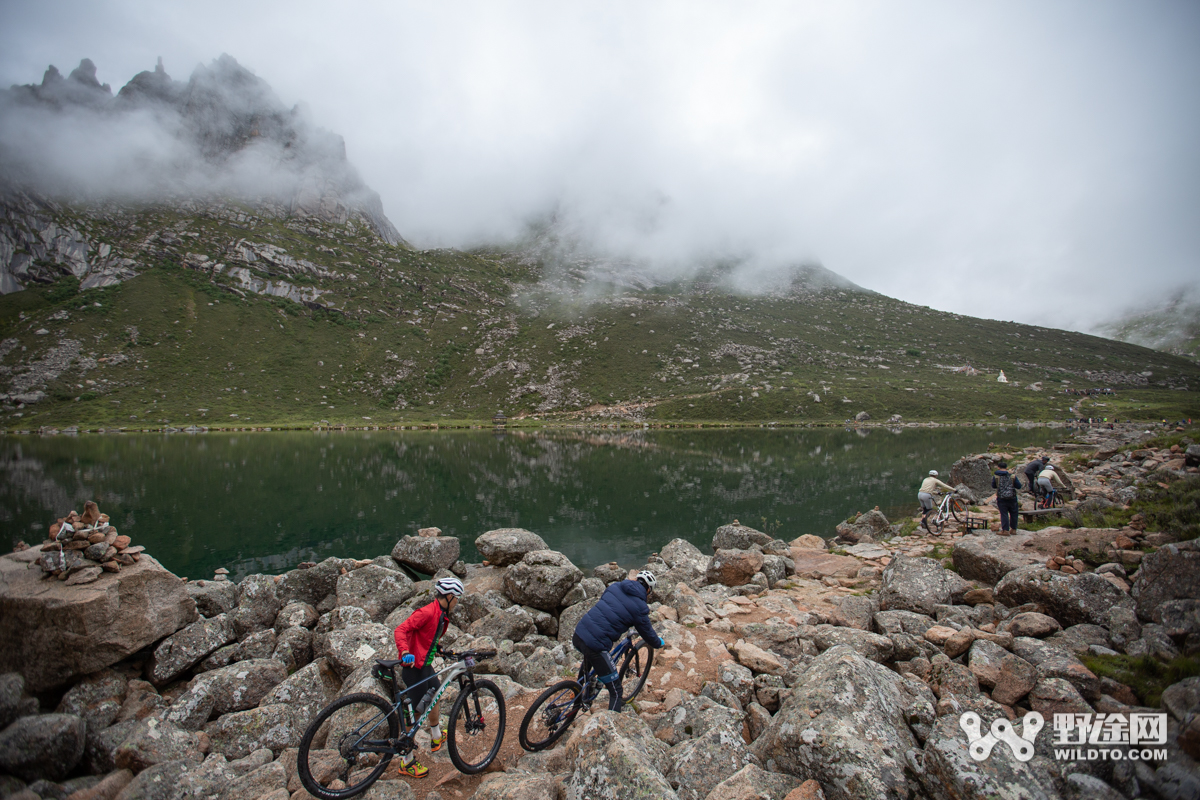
x=387, y=664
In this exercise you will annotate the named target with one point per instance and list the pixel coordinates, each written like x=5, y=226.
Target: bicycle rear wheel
x=476, y=726
x=550, y=715
x=958, y=510
x=341, y=746
x=635, y=668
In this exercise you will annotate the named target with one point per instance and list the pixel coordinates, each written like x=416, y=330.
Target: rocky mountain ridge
x=223, y=135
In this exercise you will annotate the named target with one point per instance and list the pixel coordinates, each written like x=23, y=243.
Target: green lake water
x=265, y=502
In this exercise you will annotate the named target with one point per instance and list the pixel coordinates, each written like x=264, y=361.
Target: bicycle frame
x=587, y=672
x=454, y=672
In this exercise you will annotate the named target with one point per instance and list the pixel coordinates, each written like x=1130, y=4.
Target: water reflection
x=266, y=502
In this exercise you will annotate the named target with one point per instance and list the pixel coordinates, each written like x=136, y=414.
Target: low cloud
x=1013, y=160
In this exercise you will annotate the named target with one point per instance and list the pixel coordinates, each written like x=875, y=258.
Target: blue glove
x=408, y=660
x=661, y=644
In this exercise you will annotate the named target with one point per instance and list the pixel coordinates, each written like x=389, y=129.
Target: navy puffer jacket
x=622, y=606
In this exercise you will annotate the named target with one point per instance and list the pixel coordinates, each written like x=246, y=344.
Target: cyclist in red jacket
x=417, y=642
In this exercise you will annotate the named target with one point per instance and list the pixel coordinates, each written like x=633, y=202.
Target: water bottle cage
x=470, y=662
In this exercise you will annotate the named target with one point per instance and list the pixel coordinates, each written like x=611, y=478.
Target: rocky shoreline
x=802, y=669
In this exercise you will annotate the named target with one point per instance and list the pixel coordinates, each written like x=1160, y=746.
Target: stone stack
x=82, y=547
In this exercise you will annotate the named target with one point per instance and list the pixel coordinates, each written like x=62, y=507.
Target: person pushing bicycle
x=417, y=643
x=925, y=495
x=623, y=605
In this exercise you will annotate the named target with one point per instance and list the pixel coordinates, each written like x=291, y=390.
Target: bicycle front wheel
x=343, y=751
x=550, y=715
x=1058, y=500
x=958, y=510
x=635, y=669
x=476, y=726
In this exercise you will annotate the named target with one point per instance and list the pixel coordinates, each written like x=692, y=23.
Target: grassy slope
x=405, y=346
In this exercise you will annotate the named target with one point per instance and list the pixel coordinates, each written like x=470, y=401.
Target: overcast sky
x=1036, y=161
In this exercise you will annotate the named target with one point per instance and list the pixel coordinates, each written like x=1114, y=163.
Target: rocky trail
x=870, y=665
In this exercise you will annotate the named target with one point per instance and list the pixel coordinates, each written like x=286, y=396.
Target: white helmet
x=1050, y=467
x=647, y=577
x=933, y=472
x=449, y=586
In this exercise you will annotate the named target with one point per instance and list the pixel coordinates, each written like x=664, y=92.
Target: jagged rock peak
x=227, y=118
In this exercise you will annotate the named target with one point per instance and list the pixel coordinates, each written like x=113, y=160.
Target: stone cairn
x=82, y=547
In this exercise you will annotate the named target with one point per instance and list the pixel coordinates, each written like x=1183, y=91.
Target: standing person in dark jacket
x=623, y=605
x=1031, y=472
x=1006, y=486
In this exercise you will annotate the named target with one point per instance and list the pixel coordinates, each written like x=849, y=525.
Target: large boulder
x=514, y=623
x=975, y=472
x=306, y=691
x=695, y=716
x=518, y=786
x=734, y=566
x=541, y=579
x=350, y=648
x=752, y=782
x=43, y=746
x=737, y=536
x=988, y=558
x=54, y=633
x=570, y=617
x=97, y=698
x=619, y=757
x=374, y=589
x=153, y=741
x=687, y=564
x=426, y=554
x=505, y=546
x=213, y=597
x=950, y=771
x=699, y=764
x=846, y=725
x=1071, y=599
x=866, y=644
x=1170, y=573
x=778, y=637
x=12, y=691
x=274, y=727
x=311, y=585
x=258, y=604
x=918, y=584
x=185, y=648
x=872, y=526
x=1055, y=662
x=233, y=688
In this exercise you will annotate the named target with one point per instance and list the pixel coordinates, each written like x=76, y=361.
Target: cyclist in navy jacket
x=623, y=605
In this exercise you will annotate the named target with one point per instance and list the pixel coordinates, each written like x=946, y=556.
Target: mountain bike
x=950, y=506
x=352, y=740
x=1051, y=499
x=556, y=708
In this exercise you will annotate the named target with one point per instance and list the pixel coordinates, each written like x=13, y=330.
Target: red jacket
x=417, y=633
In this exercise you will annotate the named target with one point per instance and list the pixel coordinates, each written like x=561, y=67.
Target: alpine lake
x=265, y=502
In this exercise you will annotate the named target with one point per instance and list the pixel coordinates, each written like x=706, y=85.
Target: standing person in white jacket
x=925, y=495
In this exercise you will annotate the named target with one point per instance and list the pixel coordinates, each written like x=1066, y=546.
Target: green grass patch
x=1145, y=675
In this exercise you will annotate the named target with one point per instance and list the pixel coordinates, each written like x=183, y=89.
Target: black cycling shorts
x=412, y=676
x=599, y=660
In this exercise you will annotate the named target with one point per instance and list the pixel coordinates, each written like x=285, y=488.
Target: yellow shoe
x=436, y=744
x=414, y=769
